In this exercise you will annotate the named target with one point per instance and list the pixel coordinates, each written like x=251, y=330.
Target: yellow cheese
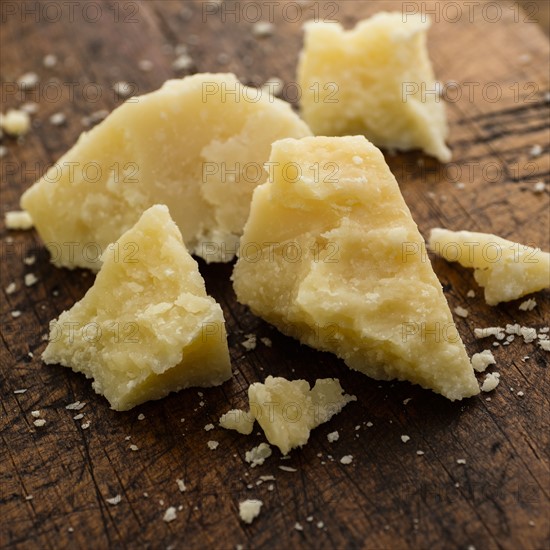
x=147, y=326
x=505, y=269
x=287, y=410
x=197, y=145
x=331, y=255
x=375, y=80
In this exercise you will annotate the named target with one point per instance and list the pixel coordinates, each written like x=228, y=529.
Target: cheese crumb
x=461, y=461
x=183, y=63
x=208, y=427
x=545, y=344
x=239, y=420
x=16, y=313
x=141, y=416
x=76, y=406
x=122, y=89
x=114, y=500
x=497, y=332
x=250, y=343
x=405, y=438
x=35, y=414
x=58, y=119
x=528, y=305
x=539, y=187
x=480, y=361
x=263, y=29
x=266, y=342
x=212, y=445
x=491, y=382
x=419, y=453
x=49, y=61
x=461, y=312
x=18, y=220
x=28, y=81
x=18, y=392
x=535, y=151
x=145, y=65
x=15, y=123
x=181, y=485
x=30, y=279
x=287, y=469
x=529, y=334
x=169, y=515
x=257, y=455
x=249, y=510
x=29, y=260
x=298, y=527
x=333, y=436
x=346, y=459
x=39, y=422
x=134, y=448
x=471, y=294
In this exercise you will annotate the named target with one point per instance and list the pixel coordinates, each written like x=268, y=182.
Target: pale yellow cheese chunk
x=287, y=410
x=331, y=255
x=197, y=145
x=505, y=269
x=375, y=80
x=147, y=326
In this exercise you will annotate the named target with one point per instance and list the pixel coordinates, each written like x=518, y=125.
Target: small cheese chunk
x=249, y=509
x=15, y=123
x=505, y=269
x=147, y=326
x=376, y=79
x=197, y=145
x=333, y=257
x=288, y=410
x=18, y=220
x=480, y=361
x=239, y=420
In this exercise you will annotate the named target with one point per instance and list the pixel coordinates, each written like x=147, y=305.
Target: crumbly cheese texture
x=249, y=509
x=334, y=258
x=238, y=420
x=146, y=327
x=18, y=220
x=197, y=145
x=375, y=80
x=506, y=270
x=287, y=410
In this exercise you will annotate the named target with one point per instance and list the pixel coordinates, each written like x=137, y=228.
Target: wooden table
x=55, y=480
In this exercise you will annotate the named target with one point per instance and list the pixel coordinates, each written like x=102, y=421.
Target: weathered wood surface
x=389, y=497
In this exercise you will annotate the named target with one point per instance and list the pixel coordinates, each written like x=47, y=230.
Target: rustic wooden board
x=389, y=497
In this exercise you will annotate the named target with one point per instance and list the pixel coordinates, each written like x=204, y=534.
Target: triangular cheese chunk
x=376, y=80
x=331, y=255
x=505, y=269
x=147, y=326
x=197, y=145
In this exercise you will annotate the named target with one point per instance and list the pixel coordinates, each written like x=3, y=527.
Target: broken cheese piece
x=505, y=269
x=146, y=327
x=287, y=410
x=375, y=80
x=331, y=256
x=197, y=145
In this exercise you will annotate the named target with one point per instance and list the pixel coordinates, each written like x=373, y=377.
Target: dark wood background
x=389, y=497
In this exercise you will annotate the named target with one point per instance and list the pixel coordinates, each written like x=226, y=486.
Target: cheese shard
x=331, y=255
x=375, y=80
x=287, y=410
x=197, y=145
x=146, y=327
x=505, y=269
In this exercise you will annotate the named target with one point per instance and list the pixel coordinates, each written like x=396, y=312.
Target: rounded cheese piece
x=331, y=255
x=197, y=145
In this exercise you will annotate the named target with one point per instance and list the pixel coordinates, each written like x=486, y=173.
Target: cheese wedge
x=331, y=255
x=197, y=145
x=375, y=80
x=287, y=410
x=505, y=269
x=146, y=327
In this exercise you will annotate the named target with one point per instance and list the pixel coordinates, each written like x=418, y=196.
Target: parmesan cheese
x=288, y=410
x=18, y=220
x=249, y=510
x=335, y=259
x=376, y=79
x=198, y=145
x=505, y=269
x=146, y=327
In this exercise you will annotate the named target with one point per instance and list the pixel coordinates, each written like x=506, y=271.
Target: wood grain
x=389, y=497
